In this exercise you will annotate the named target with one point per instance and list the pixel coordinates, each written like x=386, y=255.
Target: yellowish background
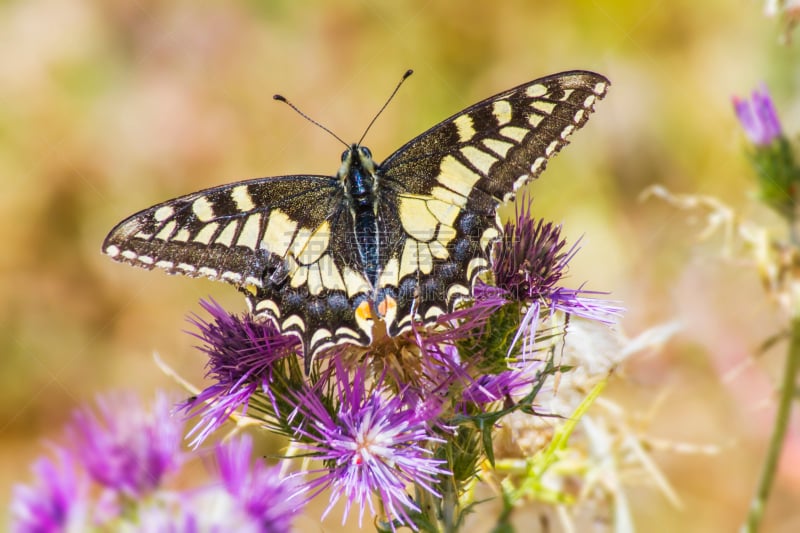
x=110, y=106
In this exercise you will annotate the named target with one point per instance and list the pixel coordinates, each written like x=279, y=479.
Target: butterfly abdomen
x=367, y=240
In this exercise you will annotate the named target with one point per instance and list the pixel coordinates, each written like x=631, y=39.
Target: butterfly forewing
x=291, y=244
x=448, y=182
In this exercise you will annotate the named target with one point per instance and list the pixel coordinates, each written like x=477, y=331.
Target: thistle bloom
x=259, y=490
x=772, y=159
x=132, y=460
x=57, y=502
x=125, y=447
x=372, y=442
x=758, y=117
x=376, y=423
x=529, y=262
x=531, y=257
x=241, y=353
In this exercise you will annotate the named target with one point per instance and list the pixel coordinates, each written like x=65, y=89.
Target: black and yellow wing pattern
x=403, y=241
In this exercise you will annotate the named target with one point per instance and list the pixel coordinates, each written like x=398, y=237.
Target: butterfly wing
x=447, y=183
x=283, y=241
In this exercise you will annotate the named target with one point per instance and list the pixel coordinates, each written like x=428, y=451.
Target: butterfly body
x=402, y=241
x=358, y=175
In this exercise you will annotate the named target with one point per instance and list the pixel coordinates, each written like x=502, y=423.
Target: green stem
x=449, y=511
x=787, y=393
x=430, y=511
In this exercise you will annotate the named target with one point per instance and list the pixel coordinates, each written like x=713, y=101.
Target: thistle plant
x=779, y=185
x=400, y=431
x=776, y=257
x=770, y=153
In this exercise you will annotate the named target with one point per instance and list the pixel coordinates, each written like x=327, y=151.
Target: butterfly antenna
x=408, y=73
x=283, y=99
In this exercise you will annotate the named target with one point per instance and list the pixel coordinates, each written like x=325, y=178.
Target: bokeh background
x=107, y=107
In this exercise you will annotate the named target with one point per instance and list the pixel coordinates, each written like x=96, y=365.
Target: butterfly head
x=357, y=172
x=358, y=158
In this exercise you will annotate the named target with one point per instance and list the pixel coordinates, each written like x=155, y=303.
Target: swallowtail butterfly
x=325, y=257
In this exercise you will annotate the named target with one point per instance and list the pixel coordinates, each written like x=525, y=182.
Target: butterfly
x=402, y=241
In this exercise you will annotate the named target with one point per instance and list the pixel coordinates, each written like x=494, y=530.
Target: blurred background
x=107, y=107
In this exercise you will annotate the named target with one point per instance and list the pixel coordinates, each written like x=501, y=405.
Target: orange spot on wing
x=364, y=311
x=387, y=305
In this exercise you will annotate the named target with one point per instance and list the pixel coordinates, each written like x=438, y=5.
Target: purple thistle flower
x=241, y=353
x=758, y=117
x=57, y=501
x=124, y=447
x=258, y=489
x=530, y=258
x=528, y=263
x=372, y=443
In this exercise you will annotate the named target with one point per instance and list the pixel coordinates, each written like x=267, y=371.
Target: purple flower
x=241, y=353
x=531, y=258
x=57, y=502
x=249, y=497
x=259, y=490
x=758, y=117
x=124, y=447
x=372, y=442
x=529, y=261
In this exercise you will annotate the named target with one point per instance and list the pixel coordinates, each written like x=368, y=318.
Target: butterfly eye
x=344, y=155
x=366, y=152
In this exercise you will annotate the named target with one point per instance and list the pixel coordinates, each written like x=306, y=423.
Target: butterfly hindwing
x=448, y=182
